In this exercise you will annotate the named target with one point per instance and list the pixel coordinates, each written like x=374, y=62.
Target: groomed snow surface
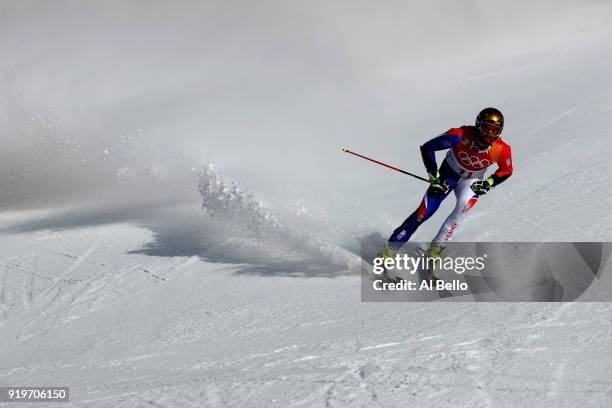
x=140, y=275
x=87, y=307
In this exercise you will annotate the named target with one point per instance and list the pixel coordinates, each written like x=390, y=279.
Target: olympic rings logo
x=473, y=161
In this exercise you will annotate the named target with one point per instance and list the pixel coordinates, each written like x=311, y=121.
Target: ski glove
x=481, y=187
x=437, y=184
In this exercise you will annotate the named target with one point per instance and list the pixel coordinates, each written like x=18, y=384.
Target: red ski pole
x=345, y=150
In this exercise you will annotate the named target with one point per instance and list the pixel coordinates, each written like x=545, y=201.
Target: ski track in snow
x=324, y=350
x=205, y=335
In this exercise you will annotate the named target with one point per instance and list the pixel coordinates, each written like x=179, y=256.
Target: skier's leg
x=429, y=205
x=465, y=201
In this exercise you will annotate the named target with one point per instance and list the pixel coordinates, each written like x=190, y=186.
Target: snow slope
x=123, y=328
x=138, y=276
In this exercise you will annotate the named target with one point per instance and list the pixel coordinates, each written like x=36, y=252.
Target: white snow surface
x=185, y=234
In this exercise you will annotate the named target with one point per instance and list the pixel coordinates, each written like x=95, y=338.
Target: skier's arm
x=504, y=162
x=445, y=141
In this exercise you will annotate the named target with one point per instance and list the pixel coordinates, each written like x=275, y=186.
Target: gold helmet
x=489, y=123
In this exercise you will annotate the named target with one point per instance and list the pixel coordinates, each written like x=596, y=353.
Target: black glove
x=437, y=184
x=481, y=187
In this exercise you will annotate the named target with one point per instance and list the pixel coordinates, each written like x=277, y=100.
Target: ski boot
x=434, y=252
x=388, y=253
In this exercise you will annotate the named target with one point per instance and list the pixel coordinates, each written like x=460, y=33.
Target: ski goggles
x=489, y=130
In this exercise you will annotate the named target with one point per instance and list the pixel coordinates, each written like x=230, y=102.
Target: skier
x=472, y=149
